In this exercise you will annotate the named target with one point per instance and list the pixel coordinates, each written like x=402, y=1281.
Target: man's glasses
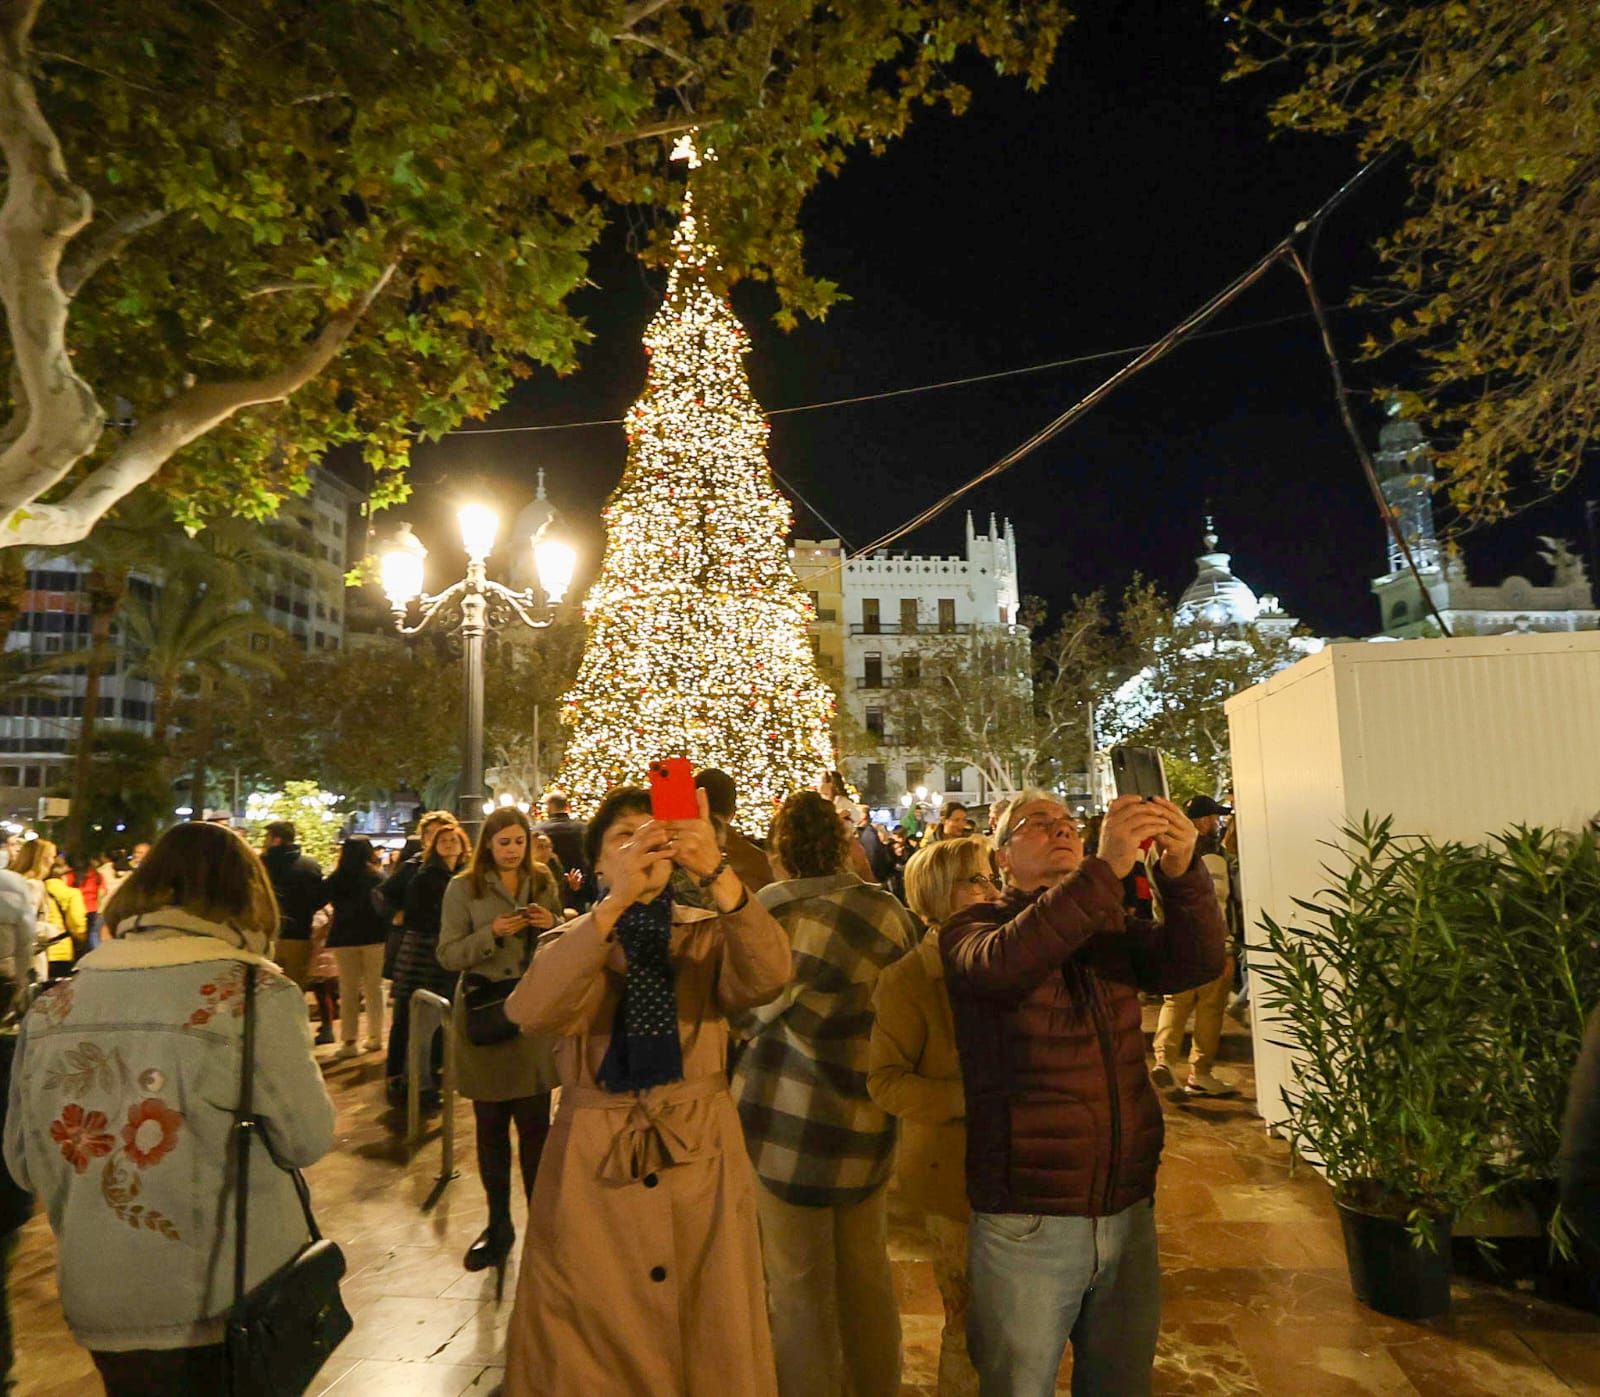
x=987, y=880
x=1044, y=824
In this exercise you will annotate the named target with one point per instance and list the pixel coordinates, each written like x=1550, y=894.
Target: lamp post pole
x=475, y=605
x=474, y=626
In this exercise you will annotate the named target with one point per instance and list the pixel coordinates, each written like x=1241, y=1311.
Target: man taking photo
x=1064, y=1130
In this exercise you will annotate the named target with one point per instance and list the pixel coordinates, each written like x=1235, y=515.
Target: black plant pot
x=1391, y=1275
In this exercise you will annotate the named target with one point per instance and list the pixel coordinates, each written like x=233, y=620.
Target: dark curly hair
x=617, y=802
x=809, y=836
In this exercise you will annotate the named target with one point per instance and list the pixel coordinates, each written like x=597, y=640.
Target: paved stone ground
x=1256, y=1295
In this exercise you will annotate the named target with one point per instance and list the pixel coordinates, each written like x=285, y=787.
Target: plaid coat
x=814, y=1135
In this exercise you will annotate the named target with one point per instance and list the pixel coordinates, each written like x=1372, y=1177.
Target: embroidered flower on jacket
x=151, y=1132
x=82, y=1136
x=218, y=993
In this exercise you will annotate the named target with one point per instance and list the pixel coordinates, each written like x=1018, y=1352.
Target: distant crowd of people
x=709, y=1055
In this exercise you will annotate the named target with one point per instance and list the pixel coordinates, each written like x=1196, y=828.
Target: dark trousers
x=164, y=1372
x=531, y=1117
x=399, y=1047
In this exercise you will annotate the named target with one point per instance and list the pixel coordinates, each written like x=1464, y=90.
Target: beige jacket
x=523, y=1066
x=913, y=1072
x=642, y=1268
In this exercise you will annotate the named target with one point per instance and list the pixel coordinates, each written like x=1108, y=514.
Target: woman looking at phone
x=643, y=1269
x=492, y=914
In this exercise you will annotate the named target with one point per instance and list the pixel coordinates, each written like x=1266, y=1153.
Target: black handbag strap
x=247, y=1125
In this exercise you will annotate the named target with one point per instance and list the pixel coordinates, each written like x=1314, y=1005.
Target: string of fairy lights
x=697, y=627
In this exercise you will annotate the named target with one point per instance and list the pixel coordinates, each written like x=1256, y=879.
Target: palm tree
x=196, y=639
x=140, y=532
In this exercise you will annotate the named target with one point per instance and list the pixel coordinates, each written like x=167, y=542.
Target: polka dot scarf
x=644, y=1050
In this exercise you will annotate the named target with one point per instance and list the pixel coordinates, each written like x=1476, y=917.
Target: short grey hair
x=1008, y=819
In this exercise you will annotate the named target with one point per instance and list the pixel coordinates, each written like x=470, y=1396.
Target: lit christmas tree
x=697, y=643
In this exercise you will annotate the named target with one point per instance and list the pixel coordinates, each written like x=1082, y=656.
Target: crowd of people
x=711, y=1056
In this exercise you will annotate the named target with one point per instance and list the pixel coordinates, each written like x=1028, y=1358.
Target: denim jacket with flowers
x=121, y=1116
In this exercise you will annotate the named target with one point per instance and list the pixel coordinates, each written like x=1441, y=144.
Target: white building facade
x=875, y=614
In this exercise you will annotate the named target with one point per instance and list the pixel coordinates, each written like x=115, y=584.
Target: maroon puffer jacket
x=1061, y=1116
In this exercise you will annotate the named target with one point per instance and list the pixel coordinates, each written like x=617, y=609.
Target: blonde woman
x=63, y=918
x=913, y=1072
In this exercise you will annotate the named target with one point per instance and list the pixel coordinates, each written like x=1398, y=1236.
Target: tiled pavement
x=1256, y=1297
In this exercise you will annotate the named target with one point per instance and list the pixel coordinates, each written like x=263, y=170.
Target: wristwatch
x=716, y=872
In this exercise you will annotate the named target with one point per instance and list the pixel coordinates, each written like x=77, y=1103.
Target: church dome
x=1216, y=597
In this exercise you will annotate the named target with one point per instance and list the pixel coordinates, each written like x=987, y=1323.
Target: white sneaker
x=1204, y=1084
x=345, y=1050
x=374, y=1045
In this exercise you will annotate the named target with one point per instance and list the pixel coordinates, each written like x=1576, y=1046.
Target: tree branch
x=56, y=420
x=670, y=127
x=156, y=438
x=641, y=10
x=110, y=242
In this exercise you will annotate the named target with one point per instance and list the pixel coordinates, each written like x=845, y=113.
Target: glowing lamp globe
x=479, y=527
x=555, y=562
x=401, y=567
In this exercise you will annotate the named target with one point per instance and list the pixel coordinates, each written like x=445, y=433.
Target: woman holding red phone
x=492, y=915
x=643, y=1269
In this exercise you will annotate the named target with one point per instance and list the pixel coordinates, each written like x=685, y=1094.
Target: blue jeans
x=1038, y=1281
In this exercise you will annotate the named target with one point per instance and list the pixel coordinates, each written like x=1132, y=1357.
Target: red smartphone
x=672, y=792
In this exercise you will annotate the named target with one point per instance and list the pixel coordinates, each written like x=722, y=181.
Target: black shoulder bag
x=483, y=1003
x=282, y=1332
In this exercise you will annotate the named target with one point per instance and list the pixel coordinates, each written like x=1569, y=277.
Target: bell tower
x=1405, y=472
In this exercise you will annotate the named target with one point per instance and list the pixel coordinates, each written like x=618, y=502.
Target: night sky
x=1089, y=217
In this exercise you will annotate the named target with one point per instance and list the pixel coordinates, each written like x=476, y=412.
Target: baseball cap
x=1199, y=806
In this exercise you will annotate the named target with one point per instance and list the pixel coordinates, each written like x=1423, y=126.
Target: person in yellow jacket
x=913, y=1072
x=63, y=918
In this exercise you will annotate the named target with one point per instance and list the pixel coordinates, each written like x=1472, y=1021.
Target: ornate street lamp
x=475, y=605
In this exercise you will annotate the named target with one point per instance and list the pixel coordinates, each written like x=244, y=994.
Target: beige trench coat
x=914, y=1072
x=641, y=1272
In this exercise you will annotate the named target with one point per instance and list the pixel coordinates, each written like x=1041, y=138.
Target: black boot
x=492, y=1248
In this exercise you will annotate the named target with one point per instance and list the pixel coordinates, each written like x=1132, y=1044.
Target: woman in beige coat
x=642, y=1270
x=913, y=1072
x=491, y=916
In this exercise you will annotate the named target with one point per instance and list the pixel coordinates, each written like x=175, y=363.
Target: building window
x=947, y=615
x=877, y=782
x=875, y=721
x=874, y=671
x=908, y=615
x=870, y=622
x=913, y=775
x=954, y=777
x=10, y=776
x=911, y=670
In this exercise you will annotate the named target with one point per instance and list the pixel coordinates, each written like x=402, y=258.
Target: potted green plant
x=1381, y=1002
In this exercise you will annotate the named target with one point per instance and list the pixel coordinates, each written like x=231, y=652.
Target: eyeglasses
x=1043, y=823
x=985, y=880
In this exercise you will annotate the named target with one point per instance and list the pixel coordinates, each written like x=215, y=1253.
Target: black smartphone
x=1138, y=771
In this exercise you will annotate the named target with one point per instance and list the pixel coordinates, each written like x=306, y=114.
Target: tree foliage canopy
x=287, y=227
x=1492, y=273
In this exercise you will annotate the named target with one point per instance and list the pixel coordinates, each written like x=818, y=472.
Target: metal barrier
x=431, y=1011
